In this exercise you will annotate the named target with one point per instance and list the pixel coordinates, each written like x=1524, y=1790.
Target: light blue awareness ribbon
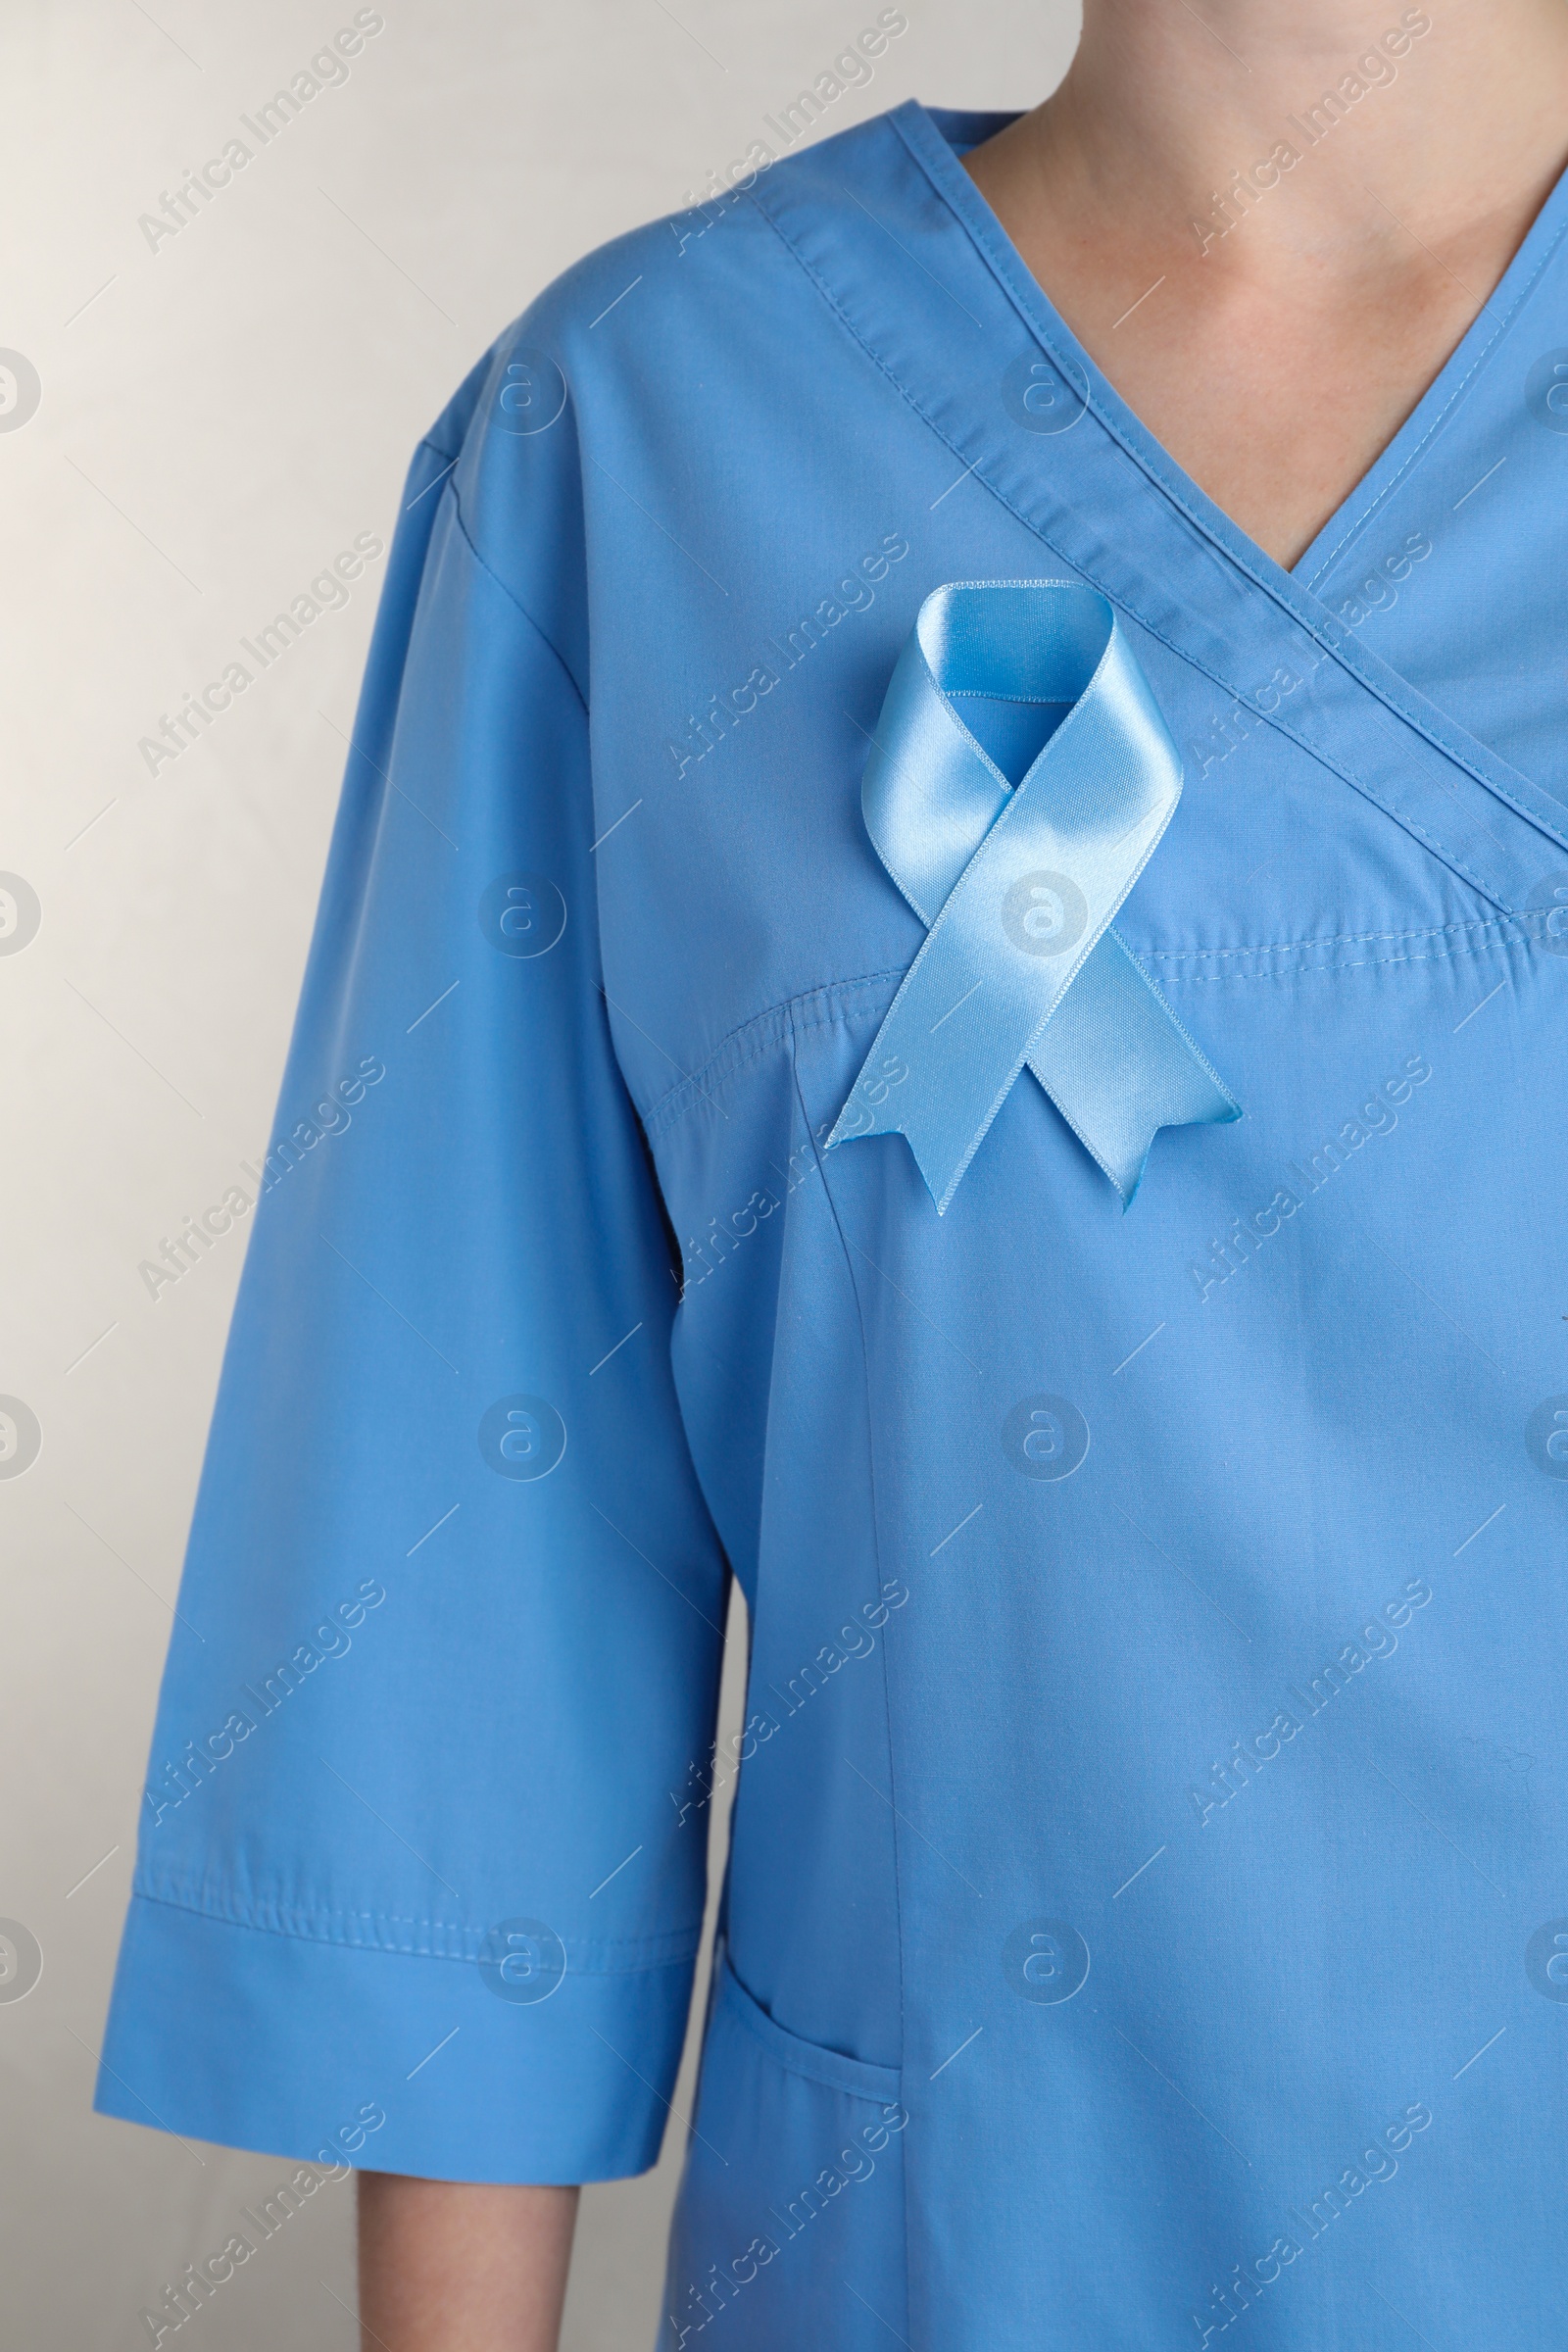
x=1017, y=883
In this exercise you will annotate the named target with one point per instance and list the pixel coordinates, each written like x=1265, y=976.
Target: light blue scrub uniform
x=1146, y=1921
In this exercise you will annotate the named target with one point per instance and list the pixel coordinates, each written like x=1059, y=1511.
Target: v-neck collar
x=940, y=137
x=1114, y=506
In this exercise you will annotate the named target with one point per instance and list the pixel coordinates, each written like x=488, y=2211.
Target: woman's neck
x=1270, y=222
x=1434, y=118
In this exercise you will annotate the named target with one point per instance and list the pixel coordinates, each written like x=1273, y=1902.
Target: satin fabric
x=1144, y=1884
x=1022, y=875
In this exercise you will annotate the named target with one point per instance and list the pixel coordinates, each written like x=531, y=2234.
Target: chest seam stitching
x=729, y=1058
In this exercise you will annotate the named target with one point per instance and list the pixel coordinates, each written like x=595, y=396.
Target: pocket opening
x=857, y=2077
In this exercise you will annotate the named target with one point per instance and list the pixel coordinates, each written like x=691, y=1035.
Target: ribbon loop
x=1017, y=883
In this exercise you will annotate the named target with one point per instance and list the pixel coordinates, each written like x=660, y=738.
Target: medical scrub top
x=1147, y=1910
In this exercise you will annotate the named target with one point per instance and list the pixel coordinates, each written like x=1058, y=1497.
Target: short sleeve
x=413, y=1890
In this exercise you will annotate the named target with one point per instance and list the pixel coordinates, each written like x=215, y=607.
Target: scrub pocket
x=789, y=2229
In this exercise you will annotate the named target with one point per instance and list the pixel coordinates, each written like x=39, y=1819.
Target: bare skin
x=1274, y=365
x=446, y=2266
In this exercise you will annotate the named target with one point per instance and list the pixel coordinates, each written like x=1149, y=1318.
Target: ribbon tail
x=1118, y=1065
x=940, y=1136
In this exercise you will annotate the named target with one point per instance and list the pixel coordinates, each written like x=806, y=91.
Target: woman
x=1141, y=1920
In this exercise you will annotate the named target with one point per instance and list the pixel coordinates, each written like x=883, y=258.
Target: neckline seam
x=1286, y=595
x=1025, y=299
x=1492, y=892
x=1502, y=322
x=1155, y=463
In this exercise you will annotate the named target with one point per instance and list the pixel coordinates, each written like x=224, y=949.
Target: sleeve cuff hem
x=289, y=2045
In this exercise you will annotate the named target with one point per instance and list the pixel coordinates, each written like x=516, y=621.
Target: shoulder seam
x=495, y=577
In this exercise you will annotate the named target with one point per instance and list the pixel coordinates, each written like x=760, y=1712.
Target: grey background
x=218, y=418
